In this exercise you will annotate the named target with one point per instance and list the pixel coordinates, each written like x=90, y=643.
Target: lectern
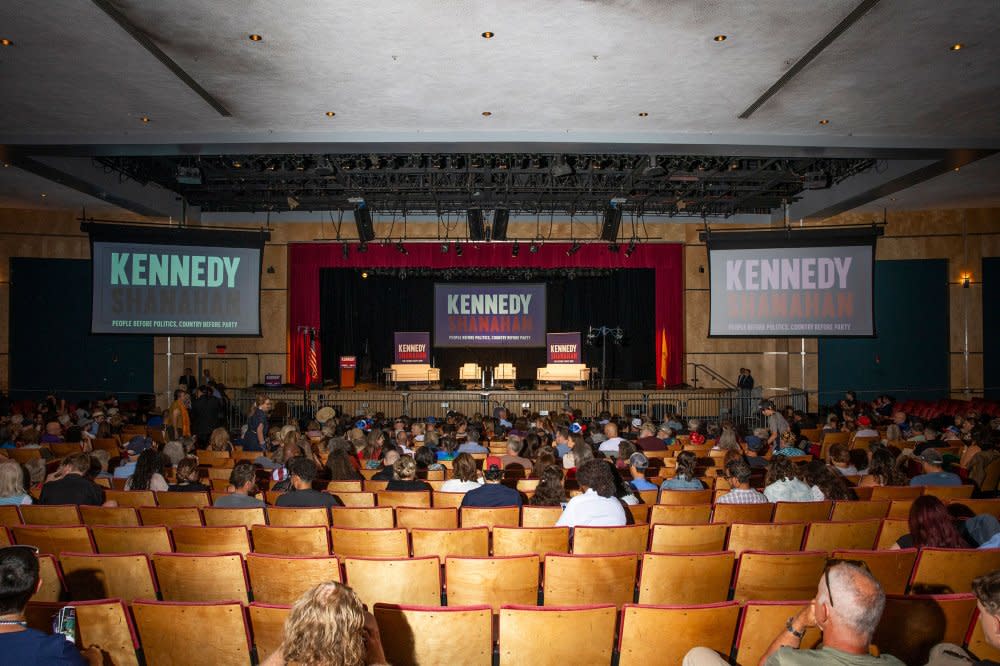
x=348, y=366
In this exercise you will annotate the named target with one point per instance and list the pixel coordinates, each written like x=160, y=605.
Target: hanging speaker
x=500, y=219
x=477, y=231
x=612, y=221
x=363, y=220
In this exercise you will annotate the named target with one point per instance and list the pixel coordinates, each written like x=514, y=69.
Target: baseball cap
x=696, y=438
x=637, y=423
x=754, y=443
x=638, y=460
x=932, y=456
x=575, y=428
x=766, y=404
x=325, y=414
x=864, y=420
x=431, y=419
x=138, y=444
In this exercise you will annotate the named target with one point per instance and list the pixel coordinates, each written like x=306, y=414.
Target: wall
x=962, y=237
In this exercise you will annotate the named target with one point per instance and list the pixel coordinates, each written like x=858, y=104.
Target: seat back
x=598, y=540
x=301, y=540
x=9, y=515
x=364, y=499
x=350, y=542
x=50, y=514
x=685, y=497
x=848, y=535
x=272, y=584
x=900, y=508
x=761, y=622
x=890, y=531
x=132, y=498
x=643, y=639
x=186, y=516
x=109, y=515
x=493, y=516
x=951, y=570
x=896, y=492
x=248, y=517
x=52, y=580
x=54, y=539
x=801, y=512
x=978, y=506
x=442, y=499
x=440, y=518
x=742, y=513
x=297, y=517
x=667, y=578
x=911, y=625
x=493, y=581
x=112, y=576
x=395, y=581
x=860, y=509
x=778, y=576
x=127, y=539
x=231, y=539
x=199, y=499
x=413, y=635
x=590, y=579
x=774, y=537
x=464, y=542
x=530, y=540
x=564, y=642
x=105, y=625
x=191, y=577
x=540, y=516
x=681, y=514
x=160, y=623
x=371, y=518
x=946, y=493
x=337, y=487
x=708, y=538
x=397, y=498
x=892, y=568
x=268, y=624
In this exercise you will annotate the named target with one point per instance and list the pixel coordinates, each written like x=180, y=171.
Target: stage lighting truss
x=521, y=183
x=492, y=274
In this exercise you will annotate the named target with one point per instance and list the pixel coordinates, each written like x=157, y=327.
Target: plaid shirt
x=740, y=496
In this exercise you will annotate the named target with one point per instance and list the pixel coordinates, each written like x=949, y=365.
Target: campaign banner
x=563, y=348
x=489, y=315
x=792, y=291
x=412, y=348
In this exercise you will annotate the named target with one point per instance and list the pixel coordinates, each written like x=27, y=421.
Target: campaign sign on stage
x=563, y=348
x=489, y=315
x=413, y=347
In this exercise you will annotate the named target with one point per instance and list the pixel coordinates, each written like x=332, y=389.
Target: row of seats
x=411, y=537
x=579, y=634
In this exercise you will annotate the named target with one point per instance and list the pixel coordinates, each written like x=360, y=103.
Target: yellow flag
x=663, y=356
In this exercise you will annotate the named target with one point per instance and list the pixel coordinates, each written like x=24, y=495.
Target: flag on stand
x=313, y=362
x=664, y=356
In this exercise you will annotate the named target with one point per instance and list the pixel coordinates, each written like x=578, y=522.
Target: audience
x=69, y=484
x=464, y=475
x=638, y=463
x=303, y=471
x=931, y=526
x=782, y=484
x=684, y=479
x=883, y=471
x=405, y=476
x=550, y=490
x=242, y=488
x=492, y=492
x=738, y=475
x=513, y=456
x=934, y=474
x=188, y=477
x=12, y=483
x=148, y=474
x=597, y=505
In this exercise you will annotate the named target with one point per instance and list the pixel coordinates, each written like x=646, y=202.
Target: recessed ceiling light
x=957, y=168
x=5, y=165
x=144, y=119
x=487, y=35
x=237, y=164
x=487, y=113
x=643, y=114
x=44, y=195
x=892, y=198
x=824, y=121
x=720, y=38
x=330, y=114
x=6, y=42
x=957, y=46
x=254, y=37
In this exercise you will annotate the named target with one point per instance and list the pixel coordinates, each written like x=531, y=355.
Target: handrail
x=711, y=373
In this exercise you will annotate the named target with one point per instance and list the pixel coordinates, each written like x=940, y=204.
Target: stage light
x=364, y=275
x=500, y=219
x=514, y=249
x=631, y=248
x=477, y=230
x=444, y=248
x=533, y=248
x=574, y=249
x=654, y=169
x=362, y=248
x=458, y=249
x=613, y=247
x=401, y=248
x=293, y=203
x=346, y=251
x=561, y=168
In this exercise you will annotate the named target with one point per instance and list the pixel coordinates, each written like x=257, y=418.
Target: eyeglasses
x=831, y=563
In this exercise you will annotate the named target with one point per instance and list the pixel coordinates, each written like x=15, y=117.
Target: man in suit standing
x=189, y=380
x=744, y=391
x=206, y=412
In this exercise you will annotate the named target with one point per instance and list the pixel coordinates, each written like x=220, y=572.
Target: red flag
x=664, y=356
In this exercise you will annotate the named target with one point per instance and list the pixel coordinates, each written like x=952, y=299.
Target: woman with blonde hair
x=329, y=626
x=12, y=483
x=219, y=441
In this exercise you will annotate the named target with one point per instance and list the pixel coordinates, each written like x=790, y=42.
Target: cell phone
x=64, y=623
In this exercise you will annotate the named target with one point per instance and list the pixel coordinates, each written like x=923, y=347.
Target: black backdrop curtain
x=356, y=312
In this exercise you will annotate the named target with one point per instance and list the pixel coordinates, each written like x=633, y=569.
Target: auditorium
x=499, y=333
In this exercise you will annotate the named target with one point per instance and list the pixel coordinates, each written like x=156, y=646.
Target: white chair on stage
x=470, y=372
x=505, y=372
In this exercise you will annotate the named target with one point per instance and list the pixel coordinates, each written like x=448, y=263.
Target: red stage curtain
x=667, y=260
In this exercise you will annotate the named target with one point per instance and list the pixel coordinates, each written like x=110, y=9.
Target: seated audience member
x=738, y=474
x=987, y=591
x=464, y=475
x=243, y=487
x=103, y=459
x=492, y=492
x=931, y=526
x=597, y=505
x=981, y=459
x=865, y=428
x=611, y=439
x=648, y=441
x=19, y=580
x=544, y=457
x=579, y=454
x=426, y=460
x=12, y=483
x=787, y=445
x=148, y=473
x=727, y=440
x=756, y=447
x=892, y=434
x=847, y=609
x=471, y=443
x=36, y=470
x=934, y=474
x=638, y=463
x=133, y=450
x=52, y=434
x=329, y=625
x=70, y=485
x=173, y=451
x=188, y=478
x=405, y=476
x=684, y=478
x=883, y=470
x=782, y=485
x=667, y=434
x=840, y=459
x=550, y=490
x=513, y=456
x=562, y=440
x=303, y=471
x=340, y=466
x=389, y=458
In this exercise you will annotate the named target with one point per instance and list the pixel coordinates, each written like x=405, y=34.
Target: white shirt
x=866, y=432
x=459, y=486
x=610, y=444
x=590, y=509
x=788, y=490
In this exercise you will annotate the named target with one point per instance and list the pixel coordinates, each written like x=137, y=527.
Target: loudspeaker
x=612, y=221
x=363, y=220
x=500, y=219
x=477, y=230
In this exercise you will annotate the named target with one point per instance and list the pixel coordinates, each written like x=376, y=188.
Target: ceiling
x=557, y=77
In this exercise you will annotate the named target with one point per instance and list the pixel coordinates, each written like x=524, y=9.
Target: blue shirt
x=472, y=447
x=936, y=479
x=562, y=449
x=678, y=483
x=125, y=470
x=33, y=647
x=642, y=484
x=993, y=542
x=250, y=442
x=492, y=494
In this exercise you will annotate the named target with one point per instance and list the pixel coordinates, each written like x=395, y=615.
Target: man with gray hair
x=847, y=609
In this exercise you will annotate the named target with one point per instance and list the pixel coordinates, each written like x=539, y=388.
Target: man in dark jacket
x=206, y=412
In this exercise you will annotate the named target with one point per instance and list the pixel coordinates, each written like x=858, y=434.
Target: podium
x=348, y=367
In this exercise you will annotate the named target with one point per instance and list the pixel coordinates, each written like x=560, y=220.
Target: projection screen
x=489, y=315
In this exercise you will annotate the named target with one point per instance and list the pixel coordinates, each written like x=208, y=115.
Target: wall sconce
x=966, y=280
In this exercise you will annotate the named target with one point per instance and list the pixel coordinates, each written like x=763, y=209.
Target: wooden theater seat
x=685, y=497
x=108, y=576
x=859, y=509
x=272, y=584
x=132, y=498
x=398, y=498
x=395, y=581
x=892, y=568
x=778, y=576
x=664, y=634
x=801, y=512
x=105, y=625
x=439, y=519
x=890, y=531
x=912, y=624
x=300, y=540
x=369, y=518
x=530, y=540
x=186, y=516
x=363, y=499
x=109, y=515
x=493, y=581
x=161, y=623
x=178, y=499
x=709, y=538
x=598, y=540
x=194, y=577
x=572, y=634
x=589, y=579
x=297, y=517
x=742, y=513
x=52, y=579
x=896, y=492
x=9, y=515
x=447, y=500
x=951, y=570
x=119, y=539
x=413, y=635
x=248, y=517
x=848, y=535
x=464, y=542
x=761, y=622
x=540, y=516
x=232, y=539
x=681, y=514
x=51, y=514
x=350, y=542
x=773, y=537
x=54, y=539
x=685, y=578
x=267, y=622
x=494, y=516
